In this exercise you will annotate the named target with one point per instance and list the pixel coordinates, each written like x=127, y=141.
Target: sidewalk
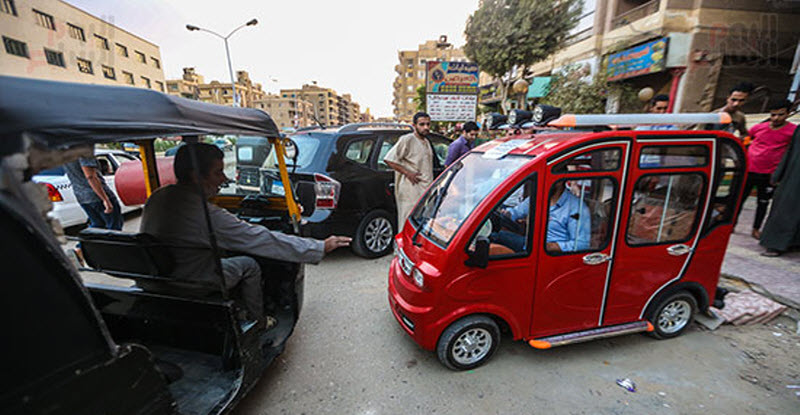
x=778, y=276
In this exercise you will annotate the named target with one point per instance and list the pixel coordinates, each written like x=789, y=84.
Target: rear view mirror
x=480, y=256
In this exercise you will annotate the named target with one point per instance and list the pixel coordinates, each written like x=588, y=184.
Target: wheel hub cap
x=472, y=346
x=378, y=234
x=674, y=316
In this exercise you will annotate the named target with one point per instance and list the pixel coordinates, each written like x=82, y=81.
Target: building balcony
x=636, y=13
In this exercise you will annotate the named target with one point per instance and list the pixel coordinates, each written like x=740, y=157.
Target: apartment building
x=289, y=112
x=328, y=106
x=693, y=50
x=221, y=92
x=411, y=73
x=50, y=39
x=187, y=86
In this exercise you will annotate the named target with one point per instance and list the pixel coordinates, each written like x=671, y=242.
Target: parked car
x=348, y=161
x=65, y=207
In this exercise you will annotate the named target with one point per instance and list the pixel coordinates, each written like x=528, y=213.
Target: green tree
x=574, y=92
x=419, y=100
x=507, y=34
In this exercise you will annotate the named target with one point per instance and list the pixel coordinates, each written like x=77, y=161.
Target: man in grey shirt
x=174, y=214
x=93, y=194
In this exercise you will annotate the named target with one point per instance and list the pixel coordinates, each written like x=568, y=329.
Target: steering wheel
x=500, y=221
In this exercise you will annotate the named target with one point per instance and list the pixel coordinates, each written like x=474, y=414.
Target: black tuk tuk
x=70, y=347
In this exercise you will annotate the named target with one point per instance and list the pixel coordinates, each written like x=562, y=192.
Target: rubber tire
x=652, y=317
x=452, y=332
x=359, y=241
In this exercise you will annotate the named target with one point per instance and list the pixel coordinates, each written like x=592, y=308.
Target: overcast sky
x=348, y=45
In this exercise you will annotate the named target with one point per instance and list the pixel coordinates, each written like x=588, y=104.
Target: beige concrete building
x=711, y=45
x=221, y=92
x=411, y=72
x=328, y=106
x=287, y=112
x=187, y=86
x=50, y=39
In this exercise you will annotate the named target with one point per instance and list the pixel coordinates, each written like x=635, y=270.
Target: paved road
x=349, y=356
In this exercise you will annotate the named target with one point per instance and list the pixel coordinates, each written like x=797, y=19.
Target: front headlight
x=419, y=278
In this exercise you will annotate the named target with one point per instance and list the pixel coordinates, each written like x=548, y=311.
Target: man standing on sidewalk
x=736, y=99
x=463, y=144
x=412, y=161
x=770, y=141
x=782, y=230
x=93, y=194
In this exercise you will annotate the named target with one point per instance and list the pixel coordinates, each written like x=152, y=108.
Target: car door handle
x=678, y=250
x=596, y=258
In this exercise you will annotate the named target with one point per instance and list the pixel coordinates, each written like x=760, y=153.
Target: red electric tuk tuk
x=563, y=236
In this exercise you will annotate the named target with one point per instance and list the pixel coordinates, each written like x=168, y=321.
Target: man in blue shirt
x=93, y=194
x=463, y=144
x=568, y=229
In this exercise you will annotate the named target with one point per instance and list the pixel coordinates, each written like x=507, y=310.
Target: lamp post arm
x=234, y=31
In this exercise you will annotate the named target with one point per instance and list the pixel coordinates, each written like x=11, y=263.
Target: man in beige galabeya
x=412, y=161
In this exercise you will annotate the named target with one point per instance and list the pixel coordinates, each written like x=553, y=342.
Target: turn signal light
x=53, y=193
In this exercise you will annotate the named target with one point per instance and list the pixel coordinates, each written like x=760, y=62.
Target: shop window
x=580, y=214
x=509, y=225
x=606, y=159
x=664, y=208
x=654, y=157
x=359, y=151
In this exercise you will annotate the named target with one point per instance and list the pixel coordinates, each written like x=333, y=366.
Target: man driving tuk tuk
x=174, y=215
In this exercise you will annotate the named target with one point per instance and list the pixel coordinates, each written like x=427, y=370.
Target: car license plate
x=277, y=188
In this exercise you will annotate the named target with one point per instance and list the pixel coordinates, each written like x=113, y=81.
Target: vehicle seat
x=125, y=255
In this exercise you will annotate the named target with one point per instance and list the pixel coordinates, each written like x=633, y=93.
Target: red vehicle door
x=663, y=209
x=579, y=209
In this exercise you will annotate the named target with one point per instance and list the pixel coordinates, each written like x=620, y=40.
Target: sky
x=348, y=45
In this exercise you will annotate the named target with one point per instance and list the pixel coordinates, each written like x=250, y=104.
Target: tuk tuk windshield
x=456, y=193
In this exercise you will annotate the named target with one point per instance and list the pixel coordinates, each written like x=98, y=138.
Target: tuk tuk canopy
x=61, y=115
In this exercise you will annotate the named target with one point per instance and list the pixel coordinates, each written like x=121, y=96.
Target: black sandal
x=771, y=253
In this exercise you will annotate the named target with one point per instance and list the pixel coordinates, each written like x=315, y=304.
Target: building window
x=101, y=42
x=44, y=20
x=15, y=47
x=146, y=81
x=128, y=77
x=156, y=62
x=108, y=72
x=76, y=32
x=140, y=57
x=85, y=66
x=160, y=86
x=122, y=51
x=54, y=58
x=7, y=6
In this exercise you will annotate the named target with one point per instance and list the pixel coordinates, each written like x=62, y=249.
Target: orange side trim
x=564, y=121
x=540, y=344
x=650, y=327
x=724, y=118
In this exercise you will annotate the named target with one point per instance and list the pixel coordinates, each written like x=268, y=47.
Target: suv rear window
x=307, y=146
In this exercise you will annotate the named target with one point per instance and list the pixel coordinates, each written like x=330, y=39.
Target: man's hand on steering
x=333, y=242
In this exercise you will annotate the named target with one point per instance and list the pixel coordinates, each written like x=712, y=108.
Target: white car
x=65, y=207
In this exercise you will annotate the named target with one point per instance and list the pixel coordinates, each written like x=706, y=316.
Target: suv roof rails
x=349, y=128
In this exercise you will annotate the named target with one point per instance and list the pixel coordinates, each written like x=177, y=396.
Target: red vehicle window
x=509, y=225
x=654, y=157
x=664, y=208
x=580, y=212
x=606, y=159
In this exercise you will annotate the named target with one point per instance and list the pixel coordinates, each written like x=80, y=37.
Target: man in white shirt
x=174, y=214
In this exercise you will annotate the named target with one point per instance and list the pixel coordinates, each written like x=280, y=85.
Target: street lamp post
x=252, y=22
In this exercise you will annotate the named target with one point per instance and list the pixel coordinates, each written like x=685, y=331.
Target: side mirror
x=290, y=149
x=480, y=256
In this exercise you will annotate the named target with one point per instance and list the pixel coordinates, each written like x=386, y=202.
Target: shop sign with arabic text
x=644, y=59
x=452, y=78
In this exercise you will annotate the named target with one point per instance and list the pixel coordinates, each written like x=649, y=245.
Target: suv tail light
x=53, y=193
x=327, y=191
